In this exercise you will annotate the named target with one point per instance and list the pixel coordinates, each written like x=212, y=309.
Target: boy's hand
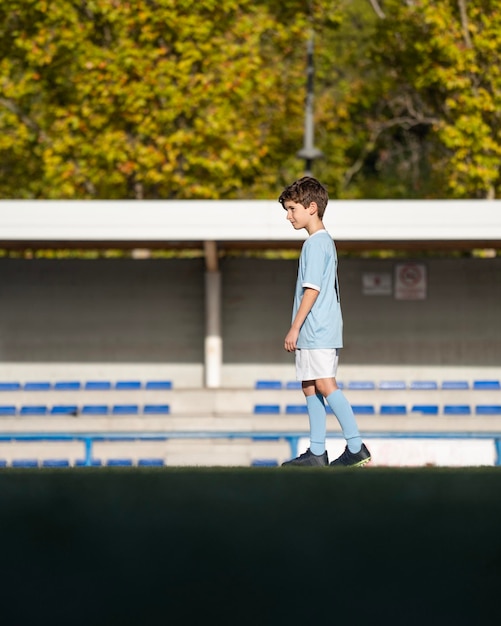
x=291, y=340
x=307, y=301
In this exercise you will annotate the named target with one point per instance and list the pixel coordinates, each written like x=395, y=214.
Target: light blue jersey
x=323, y=326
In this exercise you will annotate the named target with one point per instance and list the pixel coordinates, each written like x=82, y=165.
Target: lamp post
x=308, y=152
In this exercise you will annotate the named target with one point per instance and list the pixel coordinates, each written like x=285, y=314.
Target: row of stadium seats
x=264, y=463
x=64, y=463
x=259, y=409
x=104, y=385
x=396, y=385
x=30, y=463
x=387, y=409
x=92, y=385
x=86, y=409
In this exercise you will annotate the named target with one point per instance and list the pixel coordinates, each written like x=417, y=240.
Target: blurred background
x=147, y=270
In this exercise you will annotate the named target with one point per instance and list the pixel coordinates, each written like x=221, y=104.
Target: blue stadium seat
x=486, y=384
x=158, y=384
x=457, y=409
x=150, y=463
x=293, y=384
x=119, y=462
x=393, y=385
x=24, y=463
x=37, y=386
x=128, y=384
x=8, y=409
x=363, y=409
x=455, y=384
x=424, y=384
x=97, y=385
x=361, y=385
x=10, y=386
x=95, y=409
x=260, y=409
x=93, y=463
x=68, y=385
x=32, y=409
x=425, y=409
x=125, y=409
x=64, y=409
x=3, y=463
x=488, y=409
x=296, y=409
x=393, y=409
x=156, y=409
x=268, y=384
x=55, y=463
x=264, y=463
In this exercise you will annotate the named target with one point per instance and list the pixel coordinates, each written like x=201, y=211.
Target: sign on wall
x=410, y=281
x=376, y=284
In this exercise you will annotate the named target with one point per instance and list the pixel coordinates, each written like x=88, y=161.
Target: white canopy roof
x=475, y=222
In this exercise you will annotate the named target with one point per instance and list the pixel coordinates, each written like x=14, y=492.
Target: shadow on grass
x=250, y=545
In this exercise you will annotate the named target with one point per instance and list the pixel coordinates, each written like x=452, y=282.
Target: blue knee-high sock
x=344, y=413
x=318, y=426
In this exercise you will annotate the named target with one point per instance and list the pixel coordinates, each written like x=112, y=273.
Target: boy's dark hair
x=306, y=190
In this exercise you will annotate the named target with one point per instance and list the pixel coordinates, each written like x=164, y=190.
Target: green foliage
x=422, y=117
x=460, y=65
x=183, y=99
x=110, y=99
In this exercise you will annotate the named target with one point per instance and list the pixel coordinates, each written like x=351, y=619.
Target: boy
x=316, y=331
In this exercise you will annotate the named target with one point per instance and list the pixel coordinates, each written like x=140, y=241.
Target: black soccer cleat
x=350, y=459
x=309, y=459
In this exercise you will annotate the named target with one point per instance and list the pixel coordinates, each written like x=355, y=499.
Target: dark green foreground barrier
x=250, y=546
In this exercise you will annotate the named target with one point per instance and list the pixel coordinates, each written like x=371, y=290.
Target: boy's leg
x=316, y=454
x=346, y=418
x=317, y=416
x=343, y=411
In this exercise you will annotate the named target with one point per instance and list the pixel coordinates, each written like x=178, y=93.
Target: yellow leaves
x=476, y=152
x=127, y=168
x=188, y=98
x=452, y=66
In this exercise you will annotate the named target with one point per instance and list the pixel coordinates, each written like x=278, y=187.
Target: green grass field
x=236, y=546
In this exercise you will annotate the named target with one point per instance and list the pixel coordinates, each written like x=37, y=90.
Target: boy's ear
x=313, y=208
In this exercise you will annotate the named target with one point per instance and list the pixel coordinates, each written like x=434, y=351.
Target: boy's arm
x=307, y=301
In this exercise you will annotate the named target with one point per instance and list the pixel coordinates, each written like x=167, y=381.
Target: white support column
x=213, y=339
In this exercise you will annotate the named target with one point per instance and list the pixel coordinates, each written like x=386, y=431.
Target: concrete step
x=242, y=422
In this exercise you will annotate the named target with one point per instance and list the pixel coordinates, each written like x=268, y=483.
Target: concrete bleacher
x=386, y=404
x=398, y=397
x=129, y=398
x=102, y=397
x=267, y=397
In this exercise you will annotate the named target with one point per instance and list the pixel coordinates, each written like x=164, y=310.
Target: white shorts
x=319, y=363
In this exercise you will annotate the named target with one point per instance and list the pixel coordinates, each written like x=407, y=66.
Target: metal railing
x=291, y=437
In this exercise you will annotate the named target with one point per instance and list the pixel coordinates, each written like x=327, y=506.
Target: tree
x=184, y=99
x=458, y=72
x=421, y=115
x=149, y=99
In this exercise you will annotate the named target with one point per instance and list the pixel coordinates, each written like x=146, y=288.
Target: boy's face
x=298, y=215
